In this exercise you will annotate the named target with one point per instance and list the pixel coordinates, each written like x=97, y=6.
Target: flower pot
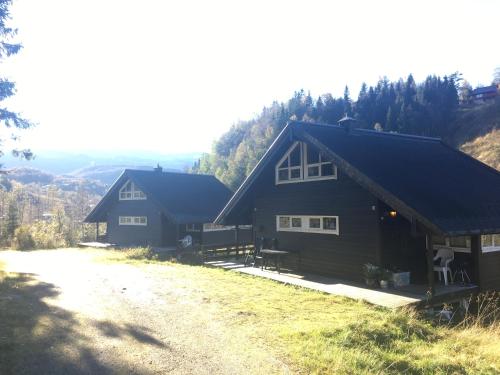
x=400, y=279
x=372, y=283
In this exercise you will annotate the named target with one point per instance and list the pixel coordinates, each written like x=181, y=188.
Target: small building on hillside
x=157, y=208
x=337, y=198
x=484, y=94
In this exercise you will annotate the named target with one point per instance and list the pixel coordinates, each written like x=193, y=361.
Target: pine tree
x=347, y=102
x=12, y=219
x=8, y=118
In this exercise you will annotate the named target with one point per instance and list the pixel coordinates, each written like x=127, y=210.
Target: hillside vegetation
x=429, y=108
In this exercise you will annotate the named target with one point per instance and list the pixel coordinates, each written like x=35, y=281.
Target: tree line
x=427, y=108
x=35, y=216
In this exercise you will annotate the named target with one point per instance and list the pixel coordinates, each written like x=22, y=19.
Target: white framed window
x=303, y=162
x=130, y=191
x=308, y=224
x=459, y=244
x=133, y=220
x=490, y=242
x=211, y=227
x=192, y=227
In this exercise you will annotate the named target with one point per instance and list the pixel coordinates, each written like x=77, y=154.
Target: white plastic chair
x=446, y=256
x=186, y=241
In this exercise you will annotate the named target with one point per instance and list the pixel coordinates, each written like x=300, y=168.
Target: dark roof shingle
x=186, y=198
x=447, y=190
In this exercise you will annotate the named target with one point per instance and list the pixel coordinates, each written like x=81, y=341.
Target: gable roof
x=485, y=90
x=447, y=191
x=184, y=198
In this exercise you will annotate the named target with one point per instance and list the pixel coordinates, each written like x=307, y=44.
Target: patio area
x=390, y=298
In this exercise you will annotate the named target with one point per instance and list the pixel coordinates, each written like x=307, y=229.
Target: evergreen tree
x=347, y=102
x=8, y=118
x=12, y=219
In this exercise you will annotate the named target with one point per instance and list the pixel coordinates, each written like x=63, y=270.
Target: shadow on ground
x=39, y=338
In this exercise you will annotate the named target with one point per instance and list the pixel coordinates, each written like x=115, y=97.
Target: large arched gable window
x=130, y=191
x=304, y=163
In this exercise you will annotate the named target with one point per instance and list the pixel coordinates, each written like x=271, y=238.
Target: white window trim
x=133, y=220
x=191, y=228
x=132, y=192
x=490, y=249
x=305, y=224
x=210, y=227
x=303, y=167
x=456, y=249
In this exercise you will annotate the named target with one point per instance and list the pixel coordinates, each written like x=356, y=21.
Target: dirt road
x=81, y=316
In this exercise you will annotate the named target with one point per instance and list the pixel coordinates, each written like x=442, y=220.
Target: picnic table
x=275, y=254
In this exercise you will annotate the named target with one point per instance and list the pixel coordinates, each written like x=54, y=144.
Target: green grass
x=316, y=333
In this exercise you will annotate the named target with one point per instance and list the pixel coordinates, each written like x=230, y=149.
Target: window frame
x=133, y=191
x=305, y=224
x=458, y=249
x=494, y=246
x=304, y=166
x=133, y=221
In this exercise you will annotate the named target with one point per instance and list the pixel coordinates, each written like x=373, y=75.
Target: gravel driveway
x=88, y=317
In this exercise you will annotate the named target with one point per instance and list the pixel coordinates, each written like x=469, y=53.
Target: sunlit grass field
x=322, y=334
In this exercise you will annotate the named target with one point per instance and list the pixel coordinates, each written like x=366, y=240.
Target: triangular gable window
x=304, y=163
x=130, y=191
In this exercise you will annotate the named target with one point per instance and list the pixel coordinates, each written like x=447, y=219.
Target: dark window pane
x=487, y=240
x=284, y=222
x=284, y=164
x=496, y=240
x=282, y=174
x=313, y=171
x=314, y=223
x=329, y=223
x=327, y=169
x=312, y=155
x=439, y=240
x=295, y=173
x=295, y=156
x=296, y=222
x=458, y=241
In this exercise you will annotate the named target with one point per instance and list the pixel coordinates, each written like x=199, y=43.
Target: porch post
x=202, y=241
x=97, y=231
x=475, y=248
x=237, y=238
x=430, y=264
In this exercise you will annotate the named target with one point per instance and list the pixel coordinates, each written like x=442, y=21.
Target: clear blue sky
x=171, y=76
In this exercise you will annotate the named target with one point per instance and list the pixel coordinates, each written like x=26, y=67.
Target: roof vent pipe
x=346, y=122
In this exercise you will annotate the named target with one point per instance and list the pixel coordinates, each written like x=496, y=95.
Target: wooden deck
x=390, y=298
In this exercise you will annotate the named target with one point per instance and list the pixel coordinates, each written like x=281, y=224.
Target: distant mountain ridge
x=71, y=171
x=26, y=176
x=67, y=163
x=107, y=174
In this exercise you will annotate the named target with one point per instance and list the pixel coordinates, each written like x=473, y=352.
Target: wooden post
x=237, y=238
x=202, y=245
x=430, y=264
x=97, y=231
x=475, y=248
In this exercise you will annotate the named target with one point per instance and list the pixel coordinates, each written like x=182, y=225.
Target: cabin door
x=168, y=232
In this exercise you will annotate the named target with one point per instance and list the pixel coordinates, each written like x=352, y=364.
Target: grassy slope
x=319, y=333
x=477, y=132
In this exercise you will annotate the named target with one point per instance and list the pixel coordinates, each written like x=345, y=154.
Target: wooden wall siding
x=342, y=255
x=169, y=233
x=490, y=271
x=400, y=248
x=130, y=235
x=223, y=237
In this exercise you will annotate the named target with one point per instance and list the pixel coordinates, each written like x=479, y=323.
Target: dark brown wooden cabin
x=340, y=197
x=157, y=208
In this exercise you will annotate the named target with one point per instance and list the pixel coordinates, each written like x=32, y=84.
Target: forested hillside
x=429, y=108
